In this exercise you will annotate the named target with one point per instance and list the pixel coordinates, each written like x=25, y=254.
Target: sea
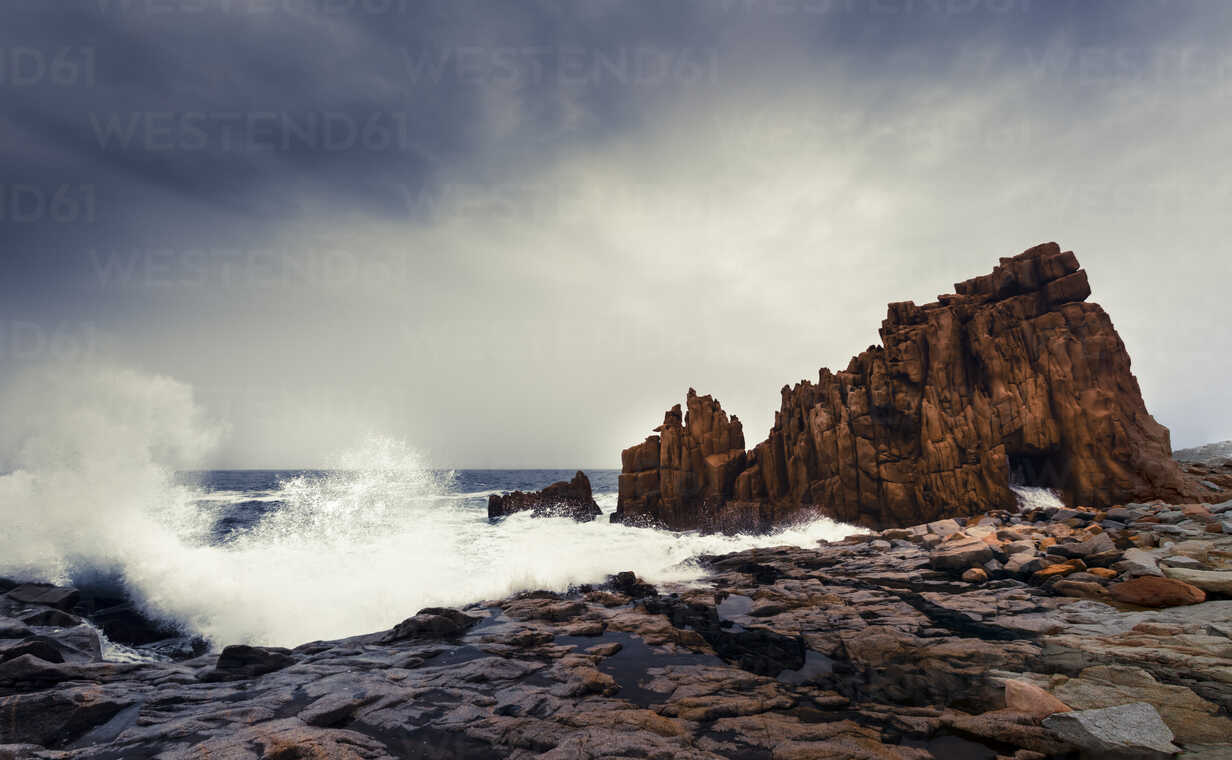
x=283, y=557
x=100, y=489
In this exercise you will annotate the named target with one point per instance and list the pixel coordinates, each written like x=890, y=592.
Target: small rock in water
x=630, y=585
x=1127, y=732
x=568, y=498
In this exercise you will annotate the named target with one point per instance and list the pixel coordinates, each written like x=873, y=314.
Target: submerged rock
x=568, y=498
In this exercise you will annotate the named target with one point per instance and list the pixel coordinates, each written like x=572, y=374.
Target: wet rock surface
x=568, y=498
x=870, y=647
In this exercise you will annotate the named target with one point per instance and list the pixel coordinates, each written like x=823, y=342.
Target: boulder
x=13, y=629
x=630, y=585
x=1014, y=378
x=54, y=716
x=29, y=669
x=1058, y=570
x=432, y=623
x=126, y=624
x=56, y=597
x=51, y=618
x=1135, y=562
x=1192, y=719
x=1098, y=544
x=568, y=498
x=1024, y=563
x=240, y=661
x=1079, y=589
x=959, y=554
x=975, y=575
x=39, y=646
x=1213, y=581
x=1153, y=591
x=1127, y=732
x=1029, y=699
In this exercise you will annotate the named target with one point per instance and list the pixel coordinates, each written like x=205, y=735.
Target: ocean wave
x=231, y=497
x=354, y=550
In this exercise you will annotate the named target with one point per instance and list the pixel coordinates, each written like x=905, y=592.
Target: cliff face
x=1012, y=379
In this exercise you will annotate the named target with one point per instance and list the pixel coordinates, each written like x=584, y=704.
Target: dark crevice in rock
x=958, y=623
x=757, y=650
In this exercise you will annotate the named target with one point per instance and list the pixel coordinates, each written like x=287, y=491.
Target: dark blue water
x=241, y=498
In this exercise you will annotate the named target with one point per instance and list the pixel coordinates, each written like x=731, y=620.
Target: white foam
x=1036, y=497
x=606, y=501
x=354, y=551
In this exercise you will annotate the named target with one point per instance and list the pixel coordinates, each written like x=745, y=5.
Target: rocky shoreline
x=1052, y=633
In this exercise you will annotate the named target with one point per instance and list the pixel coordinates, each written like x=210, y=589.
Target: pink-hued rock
x=1153, y=591
x=1029, y=699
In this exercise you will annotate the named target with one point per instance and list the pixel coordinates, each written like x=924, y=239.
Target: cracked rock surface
x=871, y=647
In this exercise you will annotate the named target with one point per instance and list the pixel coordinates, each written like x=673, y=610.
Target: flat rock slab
x=57, y=597
x=1129, y=732
x=1215, y=581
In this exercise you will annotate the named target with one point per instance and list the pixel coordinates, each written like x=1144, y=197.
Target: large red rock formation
x=1014, y=377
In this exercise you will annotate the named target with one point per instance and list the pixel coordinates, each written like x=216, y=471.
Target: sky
x=511, y=234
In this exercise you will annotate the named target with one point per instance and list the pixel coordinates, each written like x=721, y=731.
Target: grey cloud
x=534, y=225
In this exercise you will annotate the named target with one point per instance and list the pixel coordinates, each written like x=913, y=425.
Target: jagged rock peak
x=1014, y=377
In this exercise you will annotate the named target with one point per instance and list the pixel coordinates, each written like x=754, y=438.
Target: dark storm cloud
x=444, y=220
